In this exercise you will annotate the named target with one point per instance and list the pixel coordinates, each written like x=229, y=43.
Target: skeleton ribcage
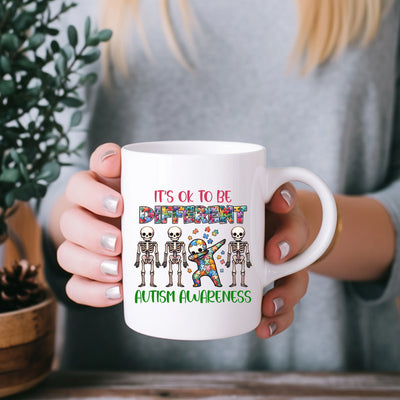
x=174, y=247
x=238, y=247
x=147, y=247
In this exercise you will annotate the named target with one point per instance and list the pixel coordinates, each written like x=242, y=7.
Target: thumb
x=105, y=161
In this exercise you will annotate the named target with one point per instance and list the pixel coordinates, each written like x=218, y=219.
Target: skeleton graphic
x=174, y=248
x=147, y=248
x=237, y=249
x=204, y=258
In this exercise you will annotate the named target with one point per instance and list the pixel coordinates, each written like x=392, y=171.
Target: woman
x=334, y=114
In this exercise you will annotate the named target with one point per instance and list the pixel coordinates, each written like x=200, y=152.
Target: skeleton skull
x=147, y=233
x=174, y=233
x=197, y=246
x=238, y=233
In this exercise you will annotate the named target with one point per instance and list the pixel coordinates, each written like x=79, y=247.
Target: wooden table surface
x=215, y=386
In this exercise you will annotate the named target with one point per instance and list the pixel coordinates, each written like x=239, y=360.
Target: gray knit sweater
x=339, y=121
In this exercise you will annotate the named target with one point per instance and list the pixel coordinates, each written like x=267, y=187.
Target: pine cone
x=19, y=287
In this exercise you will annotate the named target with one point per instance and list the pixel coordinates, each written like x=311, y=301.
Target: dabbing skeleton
x=147, y=247
x=239, y=251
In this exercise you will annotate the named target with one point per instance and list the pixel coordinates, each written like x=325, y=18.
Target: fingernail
x=108, y=241
x=278, y=304
x=113, y=293
x=109, y=267
x=107, y=154
x=284, y=247
x=110, y=203
x=272, y=328
x=287, y=196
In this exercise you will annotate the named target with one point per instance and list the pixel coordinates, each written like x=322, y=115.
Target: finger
x=289, y=238
x=283, y=200
x=84, y=229
x=84, y=190
x=79, y=261
x=91, y=293
x=272, y=326
x=287, y=292
x=106, y=160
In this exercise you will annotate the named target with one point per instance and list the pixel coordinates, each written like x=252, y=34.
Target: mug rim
x=193, y=148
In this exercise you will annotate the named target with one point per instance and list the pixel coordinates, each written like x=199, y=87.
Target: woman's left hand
x=287, y=233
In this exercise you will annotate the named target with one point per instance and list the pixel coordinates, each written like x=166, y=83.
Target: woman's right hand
x=91, y=251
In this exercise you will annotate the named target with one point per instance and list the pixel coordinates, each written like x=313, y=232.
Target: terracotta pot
x=26, y=346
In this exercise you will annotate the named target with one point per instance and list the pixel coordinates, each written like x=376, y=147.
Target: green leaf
x=67, y=51
x=76, y=118
x=36, y=41
x=72, y=102
x=105, y=35
x=5, y=64
x=9, y=198
x=25, y=63
x=72, y=36
x=24, y=21
x=29, y=190
x=93, y=41
x=10, y=41
x=49, y=172
x=10, y=175
x=88, y=79
x=41, y=6
x=61, y=65
x=91, y=56
x=47, y=30
x=87, y=28
x=7, y=87
x=55, y=47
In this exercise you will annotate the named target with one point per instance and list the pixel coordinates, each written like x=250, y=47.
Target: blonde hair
x=325, y=29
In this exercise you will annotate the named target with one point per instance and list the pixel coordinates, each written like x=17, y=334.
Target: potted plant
x=39, y=79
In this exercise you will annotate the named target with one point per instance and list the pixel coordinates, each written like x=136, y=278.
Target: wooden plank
x=18, y=327
x=21, y=357
x=229, y=385
x=17, y=381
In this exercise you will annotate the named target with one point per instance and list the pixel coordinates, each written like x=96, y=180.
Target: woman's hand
x=287, y=234
x=91, y=227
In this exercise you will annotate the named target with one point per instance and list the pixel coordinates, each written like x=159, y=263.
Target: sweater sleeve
x=389, y=196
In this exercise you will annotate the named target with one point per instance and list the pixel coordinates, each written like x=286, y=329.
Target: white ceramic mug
x=193, y=236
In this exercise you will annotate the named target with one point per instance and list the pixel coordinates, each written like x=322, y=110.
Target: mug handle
x=275, y=177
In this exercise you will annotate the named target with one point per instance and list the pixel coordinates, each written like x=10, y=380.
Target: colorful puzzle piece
x=218, y=257
x=215, y=232
x=207, y=229
x=205, y=236
x=222, y=261
x=210, y=241
x=195, y=231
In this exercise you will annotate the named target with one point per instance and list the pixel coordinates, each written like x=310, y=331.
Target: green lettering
x=234, y=299
x=182, y=296
x=138, y=297
x=218, y=296
x=171, y=296
x=210, y=296
x=247, y=294
x=240, y=296
x=203, y=296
